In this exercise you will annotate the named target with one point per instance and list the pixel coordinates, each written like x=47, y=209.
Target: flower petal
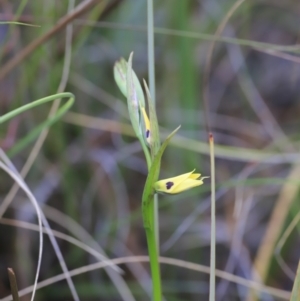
x=195, y=176
x=180, y=178
x=187, y=184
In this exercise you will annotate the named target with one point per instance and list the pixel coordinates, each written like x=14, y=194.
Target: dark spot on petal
x=147, y=134
x=169, y=185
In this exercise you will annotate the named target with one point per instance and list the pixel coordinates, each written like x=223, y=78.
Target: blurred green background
x=242, y=84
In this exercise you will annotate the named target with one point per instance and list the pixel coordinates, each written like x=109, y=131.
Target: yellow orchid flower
x=180, y=183
x=147, y=125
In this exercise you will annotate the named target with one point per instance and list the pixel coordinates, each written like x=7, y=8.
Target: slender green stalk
x=151, y=75
x=156, y=221
x=146, y=152
x=149, y=218
x=153, y=254
x=151, y=59
x=212, y=278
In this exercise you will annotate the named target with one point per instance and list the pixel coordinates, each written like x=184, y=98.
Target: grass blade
x=296, y=288
x=212, y=278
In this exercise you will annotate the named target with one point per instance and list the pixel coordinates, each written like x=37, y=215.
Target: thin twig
x=62, y=23
x=13, y=284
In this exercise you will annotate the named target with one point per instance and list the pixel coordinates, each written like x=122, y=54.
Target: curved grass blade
x=64, y=108
x=31, y=197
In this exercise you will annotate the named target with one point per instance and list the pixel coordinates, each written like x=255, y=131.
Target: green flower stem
x=151, y=75
x=153, y=254
x=148, y=218
x=146, y=152
x=156, y=222
x=151, y=235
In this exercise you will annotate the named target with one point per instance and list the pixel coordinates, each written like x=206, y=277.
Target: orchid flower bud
x=146, y=125
x=180, y=183
x=131, y=88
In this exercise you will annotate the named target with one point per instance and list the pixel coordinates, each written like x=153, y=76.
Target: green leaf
x=132, y=101
x=120, y=74
x=153, y=175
